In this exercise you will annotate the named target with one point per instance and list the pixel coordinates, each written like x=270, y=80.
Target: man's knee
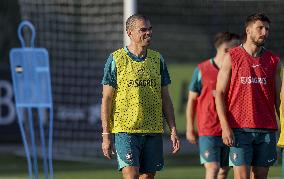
x=212, y=169
x=259, y=172
x=147, y=175
x=212, y=166
x=242, y=172
x=130, y=172
x=223, y=172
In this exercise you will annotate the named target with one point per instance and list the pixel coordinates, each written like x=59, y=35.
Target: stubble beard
x=258, y=43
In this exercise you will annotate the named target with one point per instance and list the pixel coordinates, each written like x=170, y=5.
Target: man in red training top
x=247, y=95
x=201, y=100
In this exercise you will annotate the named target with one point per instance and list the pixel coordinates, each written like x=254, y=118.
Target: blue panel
x=31, y=77
x=32, y=89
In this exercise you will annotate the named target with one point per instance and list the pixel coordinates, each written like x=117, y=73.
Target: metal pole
x=129, y=8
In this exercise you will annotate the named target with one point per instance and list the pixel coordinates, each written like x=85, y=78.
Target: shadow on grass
x=182, y=160
x=13, y=164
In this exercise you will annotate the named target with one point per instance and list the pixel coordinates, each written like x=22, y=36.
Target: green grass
x=179, y=73
x=176, y=167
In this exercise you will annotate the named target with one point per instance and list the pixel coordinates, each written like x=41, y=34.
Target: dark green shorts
x=253, y=148
x=141, y=150
x=212, y=149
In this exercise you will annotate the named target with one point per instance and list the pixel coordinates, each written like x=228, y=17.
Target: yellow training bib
x=281, y=138
x=137, y=102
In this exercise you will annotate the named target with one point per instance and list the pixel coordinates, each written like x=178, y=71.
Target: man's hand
x=228, y=136
x=191, y=136
x=176, y=142
x=107, y=146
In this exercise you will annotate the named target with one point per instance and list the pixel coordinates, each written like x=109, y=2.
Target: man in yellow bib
x=135, y=97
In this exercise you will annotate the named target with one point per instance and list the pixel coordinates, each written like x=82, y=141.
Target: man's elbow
x=219, y=94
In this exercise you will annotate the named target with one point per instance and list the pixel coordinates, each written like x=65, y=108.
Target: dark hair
x=255, y=17
x=223, y=37
x=131, y=20
x=251, y=19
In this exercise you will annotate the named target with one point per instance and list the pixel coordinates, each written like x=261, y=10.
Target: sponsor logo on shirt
x=253, y=80
x=254, y=66
x=144, y=83
x=141, y=70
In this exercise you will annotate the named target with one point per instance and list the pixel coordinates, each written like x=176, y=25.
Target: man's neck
x=252, y=49
x=218, y=59
x=137, y=50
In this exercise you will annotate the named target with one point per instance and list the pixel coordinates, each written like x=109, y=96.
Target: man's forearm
x=106, y=108
x=277, y=105
x=190, y=114
x=171, y=121
x=278, y=90
x=221, y=110
x=169, y=114
x=105, y=115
